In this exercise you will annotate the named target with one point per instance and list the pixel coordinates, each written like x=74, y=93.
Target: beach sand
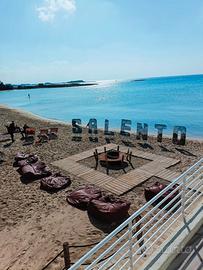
x=33, y=223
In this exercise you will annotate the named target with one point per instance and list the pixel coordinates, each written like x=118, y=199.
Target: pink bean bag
x=155, y=189
x=22, y=159
x=109, y=209
x=55, y=182
x=34, y=171
x=81, y=197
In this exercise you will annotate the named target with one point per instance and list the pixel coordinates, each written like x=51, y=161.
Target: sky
x=62, y=40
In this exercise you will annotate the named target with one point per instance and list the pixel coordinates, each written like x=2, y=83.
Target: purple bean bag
x=34, y=171
x=109, y=209
x=81, y=197
x=155, y=189
x=21, y=156
x=24, y=159
x=55, y=182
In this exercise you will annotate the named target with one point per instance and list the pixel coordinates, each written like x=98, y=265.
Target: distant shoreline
x=78, y=83
x=11, y=87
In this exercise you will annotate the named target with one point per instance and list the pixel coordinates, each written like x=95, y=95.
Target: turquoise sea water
x=166, y=100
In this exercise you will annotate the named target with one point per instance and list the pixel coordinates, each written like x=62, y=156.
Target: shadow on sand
x=185, y=152
x=104, y=226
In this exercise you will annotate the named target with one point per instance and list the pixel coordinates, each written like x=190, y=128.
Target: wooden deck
x=158, y=166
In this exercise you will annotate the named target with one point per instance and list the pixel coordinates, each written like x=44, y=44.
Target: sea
x=172, y=101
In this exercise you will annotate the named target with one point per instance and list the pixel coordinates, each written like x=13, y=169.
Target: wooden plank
x=102, y=181
x=168, y=175
x=119, y=182
x=115, y=186
x=143, y=154
x=135, y=181
x=140, y=172
x=167, y=162
x=78, y=169
x=65, y=164
x=96, y=177
x=75, y=157
x=135, y=177
x=81, y=174
x=114, y=189
x=152, y=167
x=172, y=163
x=82, y=155
x=91, y=174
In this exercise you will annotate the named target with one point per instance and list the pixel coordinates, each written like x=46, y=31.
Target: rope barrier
x=52, y=260
x=78, y=246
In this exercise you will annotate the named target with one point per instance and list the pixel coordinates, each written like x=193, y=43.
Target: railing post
x=183, y=197
x=130, y=244
x=66, y=255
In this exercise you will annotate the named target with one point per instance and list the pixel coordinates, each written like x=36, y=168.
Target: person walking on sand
x=11, y=130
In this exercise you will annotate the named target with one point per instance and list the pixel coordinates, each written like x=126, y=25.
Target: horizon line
x=113, y=80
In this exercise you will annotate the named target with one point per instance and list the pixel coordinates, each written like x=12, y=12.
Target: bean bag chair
x=34, y=171
x=109, y=209
x=155, y=189
x=21, y=156
x=22, y=159
x=81, y=197
x=30, y=160
x=55, y=182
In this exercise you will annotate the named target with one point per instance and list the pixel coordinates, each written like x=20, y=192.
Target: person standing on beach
x=28, y=96
x=11, y=130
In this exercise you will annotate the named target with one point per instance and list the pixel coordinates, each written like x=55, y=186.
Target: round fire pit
x=113, y=154
x=112, y=158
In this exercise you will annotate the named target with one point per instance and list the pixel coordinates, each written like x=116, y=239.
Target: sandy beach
x=33, y=223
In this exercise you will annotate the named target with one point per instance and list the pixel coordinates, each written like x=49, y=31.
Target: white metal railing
x=136, y=237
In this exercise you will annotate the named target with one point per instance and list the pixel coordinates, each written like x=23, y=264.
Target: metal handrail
x=190, y=176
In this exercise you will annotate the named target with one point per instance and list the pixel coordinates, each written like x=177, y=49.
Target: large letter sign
x=160, y=129
x=179, y=132
x=125, y=125
x=92, y=129
x=76, y=129
x=182, y=131
x=142, y=132
x=106, y=128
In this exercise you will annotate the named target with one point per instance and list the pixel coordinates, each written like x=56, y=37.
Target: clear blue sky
x=60, y=40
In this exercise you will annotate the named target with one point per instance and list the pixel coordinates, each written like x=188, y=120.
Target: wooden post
x=66, y=255
x=107, y=167
x=96, y=159
x=122, y=160
x=130, y=156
